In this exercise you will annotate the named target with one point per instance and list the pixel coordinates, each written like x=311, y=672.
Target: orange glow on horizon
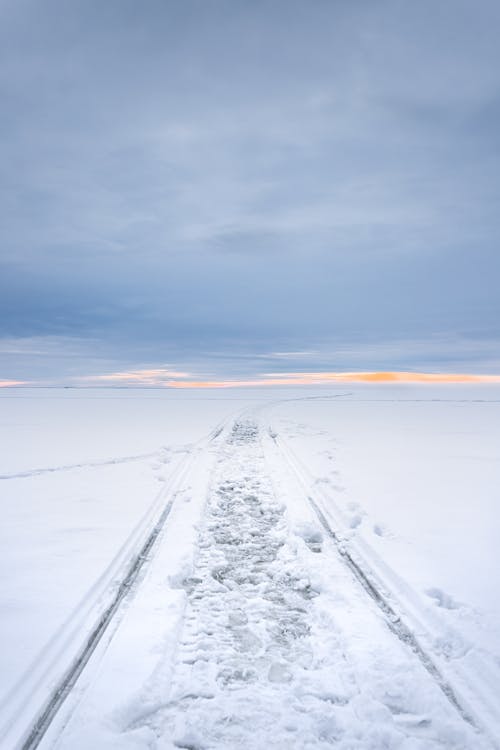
x=174, y=379
x=392, y=377
x=11, y=383
x=325, y=378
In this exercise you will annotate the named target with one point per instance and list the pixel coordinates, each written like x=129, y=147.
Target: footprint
x=279, y=673
x=442, y=599
x=355, y=521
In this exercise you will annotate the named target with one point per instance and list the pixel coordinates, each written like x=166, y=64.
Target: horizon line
x=145, y=378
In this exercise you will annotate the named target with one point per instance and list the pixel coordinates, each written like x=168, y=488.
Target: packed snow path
x=264, y=658
x=246, y=624
x=250, y=632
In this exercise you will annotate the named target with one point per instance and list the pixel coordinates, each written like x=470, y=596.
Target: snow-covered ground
x=248, y=628
x=83, y=474
x=415, y=473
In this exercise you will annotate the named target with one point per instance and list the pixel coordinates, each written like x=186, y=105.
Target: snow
x=247, y=628
x=51, y=427
x=81, y=478
x=276, y=646
x=415, y=473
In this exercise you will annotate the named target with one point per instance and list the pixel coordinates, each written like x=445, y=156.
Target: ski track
x=268, y=657
x=87, y=465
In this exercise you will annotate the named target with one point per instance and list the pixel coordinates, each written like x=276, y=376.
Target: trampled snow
x=247, y=628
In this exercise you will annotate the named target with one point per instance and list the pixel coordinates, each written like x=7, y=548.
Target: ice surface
x=409, y=475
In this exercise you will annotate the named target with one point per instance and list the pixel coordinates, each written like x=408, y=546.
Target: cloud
x=138, y=377
x=182, y=179
x=52, y=360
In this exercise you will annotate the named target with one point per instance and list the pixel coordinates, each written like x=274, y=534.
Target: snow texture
x=248, y=629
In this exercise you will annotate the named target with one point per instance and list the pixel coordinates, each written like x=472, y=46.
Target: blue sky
x=234, y=188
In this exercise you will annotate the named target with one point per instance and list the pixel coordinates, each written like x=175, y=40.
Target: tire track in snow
x=367, y=580
x=246, y=617
x=87, y=465
x=35, y=734
x=257, y=663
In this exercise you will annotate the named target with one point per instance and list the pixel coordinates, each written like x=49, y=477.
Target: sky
x=212, y=189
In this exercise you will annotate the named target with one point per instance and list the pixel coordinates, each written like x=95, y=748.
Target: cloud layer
x=198, y=183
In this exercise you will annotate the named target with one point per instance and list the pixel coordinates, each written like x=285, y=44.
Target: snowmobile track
x=362, y=575
x=136, y=567
x=258, y=664
x=231, y=647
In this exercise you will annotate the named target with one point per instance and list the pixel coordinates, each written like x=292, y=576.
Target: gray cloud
x=185, y=178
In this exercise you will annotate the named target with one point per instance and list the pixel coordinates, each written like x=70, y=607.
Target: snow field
x=71, y=528
x=245, y=594
x=278, y=646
